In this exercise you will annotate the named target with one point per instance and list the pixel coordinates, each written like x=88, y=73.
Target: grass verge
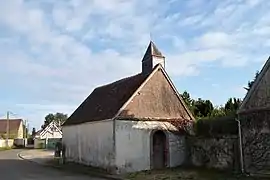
x=5, y=148
x=187, y=174
x=164, y=174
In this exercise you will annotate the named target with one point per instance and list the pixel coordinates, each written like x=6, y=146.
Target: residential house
x=15, y=128
x=131, y=124
x=254, y=115
x=47, y=137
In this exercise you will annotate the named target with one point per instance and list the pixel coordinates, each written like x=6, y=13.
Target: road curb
x=60, y=168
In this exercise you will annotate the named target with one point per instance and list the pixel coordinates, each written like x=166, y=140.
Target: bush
x=217, y=126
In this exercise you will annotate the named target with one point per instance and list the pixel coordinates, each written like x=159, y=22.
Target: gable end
x=156, y=98
x=253, y=91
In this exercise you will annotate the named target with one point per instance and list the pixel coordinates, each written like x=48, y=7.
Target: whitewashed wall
x=133, y=145
x=3, y=143
x=178, y=150
x=90, y=143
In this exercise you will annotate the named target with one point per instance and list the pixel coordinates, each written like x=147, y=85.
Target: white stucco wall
x=178, y=150
x=133, y=145
x=90, y=143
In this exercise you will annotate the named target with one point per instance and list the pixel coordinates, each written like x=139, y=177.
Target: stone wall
x=214, y=152
x=256, y=141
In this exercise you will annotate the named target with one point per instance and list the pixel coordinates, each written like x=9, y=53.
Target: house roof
x=108, y=101
x=14, y=125
x=48, y=128
x=38, y=132
x=105, y=101
x=254, y=86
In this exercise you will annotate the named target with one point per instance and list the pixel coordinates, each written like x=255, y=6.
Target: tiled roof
x=105, y=101
x=152, y=50
x=14, y=125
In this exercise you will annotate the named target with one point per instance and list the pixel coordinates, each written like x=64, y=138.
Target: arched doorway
x=159, y=150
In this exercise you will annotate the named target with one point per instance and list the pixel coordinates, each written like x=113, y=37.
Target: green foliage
x=218, y=111
x=225, y=125
x=58, y=117
x=232, y=105
x=219, y=120
x=33, y=132
x=5, y=148
x=186, y=97
x=250, y=83
x=202, y=108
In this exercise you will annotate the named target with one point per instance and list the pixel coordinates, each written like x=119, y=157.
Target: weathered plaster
x=90, y=144
x=133, y=145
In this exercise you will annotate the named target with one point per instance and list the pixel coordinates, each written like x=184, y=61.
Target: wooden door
x=159, y=150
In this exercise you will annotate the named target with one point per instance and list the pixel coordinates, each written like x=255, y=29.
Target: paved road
x=13, y=168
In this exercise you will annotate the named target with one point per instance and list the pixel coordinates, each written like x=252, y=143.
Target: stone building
x=132, y=124
x=254, y=115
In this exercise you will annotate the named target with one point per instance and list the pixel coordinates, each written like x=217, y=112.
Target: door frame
x=167, y=149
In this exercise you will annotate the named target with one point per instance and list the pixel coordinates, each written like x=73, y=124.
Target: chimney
x=152, y=57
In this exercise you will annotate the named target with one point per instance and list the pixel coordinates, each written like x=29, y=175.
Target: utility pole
x=7, y=134
x=28, y=129
x=25, y=133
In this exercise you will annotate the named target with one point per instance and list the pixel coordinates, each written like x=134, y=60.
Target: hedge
x=217, y=126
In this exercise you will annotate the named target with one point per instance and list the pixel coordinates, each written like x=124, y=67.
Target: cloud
x=215, y=40
x=61, y=50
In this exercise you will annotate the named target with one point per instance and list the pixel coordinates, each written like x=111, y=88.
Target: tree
x=57, y=117
x=188, y=101
x=250, y=83
x=186, y=97
x=203, y=108
x=33, y=132
x=218, y=111
x=232, y=105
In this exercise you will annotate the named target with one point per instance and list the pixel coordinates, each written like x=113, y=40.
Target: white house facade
x=47, y=137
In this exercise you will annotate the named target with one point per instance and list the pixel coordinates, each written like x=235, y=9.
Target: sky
x=54, y=53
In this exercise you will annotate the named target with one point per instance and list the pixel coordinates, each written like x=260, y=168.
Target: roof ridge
x=117, y=81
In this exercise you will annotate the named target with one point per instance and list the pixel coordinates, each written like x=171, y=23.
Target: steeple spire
x=151, y=58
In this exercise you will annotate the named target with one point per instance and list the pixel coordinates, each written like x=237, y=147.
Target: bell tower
x=152, y=57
